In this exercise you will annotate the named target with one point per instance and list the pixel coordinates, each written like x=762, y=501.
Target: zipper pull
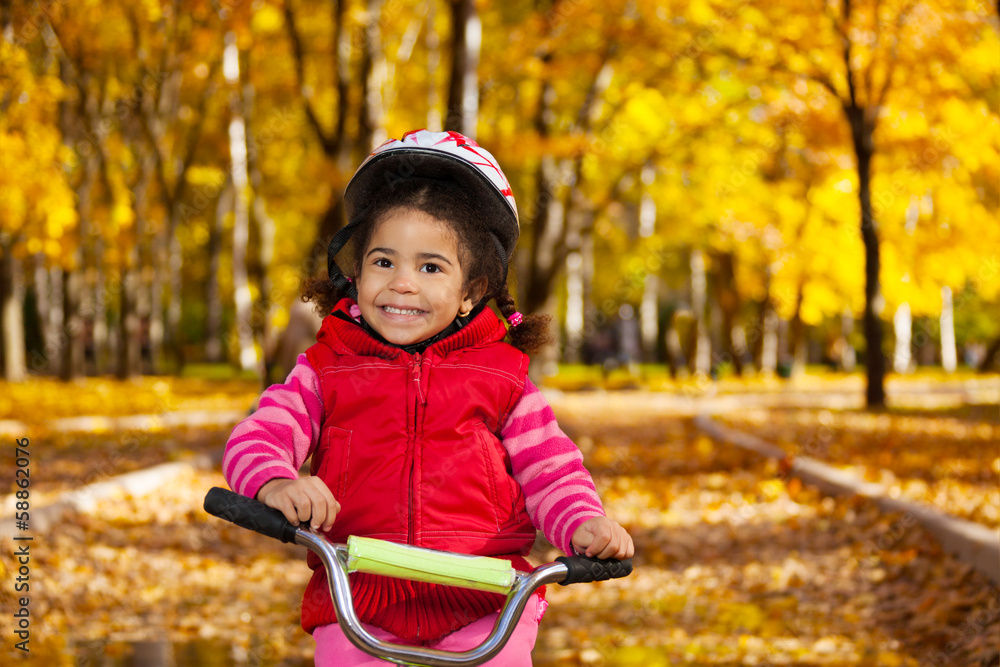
x=417, y=363
x=416, y=367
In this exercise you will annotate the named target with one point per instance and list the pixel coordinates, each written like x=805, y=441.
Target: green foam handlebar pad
x=403, y=561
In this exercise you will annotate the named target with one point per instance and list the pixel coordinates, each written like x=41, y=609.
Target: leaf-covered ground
x=736, y=567
x=68, y=460
x=733, y=567
x=948, y=459
x=41, y=400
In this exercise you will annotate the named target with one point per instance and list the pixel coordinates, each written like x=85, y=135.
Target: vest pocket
x=503, y=487
x=336, y=458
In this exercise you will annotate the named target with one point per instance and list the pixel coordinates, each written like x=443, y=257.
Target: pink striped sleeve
x=276, y=440
x=559, y=492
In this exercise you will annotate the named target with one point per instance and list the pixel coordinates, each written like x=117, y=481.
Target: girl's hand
x=601, y=537
x=303, y=499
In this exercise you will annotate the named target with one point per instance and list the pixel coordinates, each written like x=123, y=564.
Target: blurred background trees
x=712, y=186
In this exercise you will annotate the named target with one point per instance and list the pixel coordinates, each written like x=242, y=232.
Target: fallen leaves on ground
x=159, y=567
x=952, y=463
x=734, y=567
x=64, y=461
x=42, y=399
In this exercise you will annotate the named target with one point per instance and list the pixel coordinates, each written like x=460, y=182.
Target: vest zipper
x=413, y=461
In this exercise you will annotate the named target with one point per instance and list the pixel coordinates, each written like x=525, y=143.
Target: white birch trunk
x=374, y=112
x=433, y=44
x=241, y=211
x=949, y=354
x=848, y=357
x=699, y=284
x=902, y=322
x=213, y=298
x=11, y=313
x=649, y=326
x=769, y=342
x=470, y=76
x=574, y=306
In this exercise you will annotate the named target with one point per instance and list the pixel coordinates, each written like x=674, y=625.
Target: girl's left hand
x=600, y=537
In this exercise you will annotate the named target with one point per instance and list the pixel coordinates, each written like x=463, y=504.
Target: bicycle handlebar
x=249, y=513
x=584, y=569
x=253, y=515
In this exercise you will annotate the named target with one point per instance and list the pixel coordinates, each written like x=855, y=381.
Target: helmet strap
x=337, y=243
x=503, y=255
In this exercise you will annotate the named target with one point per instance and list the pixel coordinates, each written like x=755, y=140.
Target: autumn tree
x=858, y=54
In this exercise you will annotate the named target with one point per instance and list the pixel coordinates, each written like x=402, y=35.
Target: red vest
x=409, y=446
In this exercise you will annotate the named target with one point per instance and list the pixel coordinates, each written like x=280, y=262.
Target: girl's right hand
x=302, y=499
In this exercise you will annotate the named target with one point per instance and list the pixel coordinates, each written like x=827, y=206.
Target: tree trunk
x=129, y=348
x=71, y=365
x=764, y=336
x=701, y=357
x=991, y=358
x=241, y=212
x=373, y=132
x=848, y=358
x=728, y=299
x=463, y=88
x=862, y=129
x=97, y=307
x=649, y=316
x=433, y=44
x=769, y=342
x=587, y=255
x=649, y=325
x=43, y=309
x=949, y=354
x=54, y=344
x=903, y=326
x=675, y=354
x=157, y=327
x=797, y=337
x=574, y=306
x=12, y=315
x=265, y=230
x=547, y=231
x=213, y=299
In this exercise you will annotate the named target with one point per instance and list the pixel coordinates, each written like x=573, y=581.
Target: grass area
x=219, y=372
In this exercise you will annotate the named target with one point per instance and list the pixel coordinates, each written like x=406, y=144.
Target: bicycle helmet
x=438, y=155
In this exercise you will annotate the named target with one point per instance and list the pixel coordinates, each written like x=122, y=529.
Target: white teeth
x=399, y=311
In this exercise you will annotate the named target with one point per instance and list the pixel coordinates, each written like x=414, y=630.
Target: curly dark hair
x=447, y=202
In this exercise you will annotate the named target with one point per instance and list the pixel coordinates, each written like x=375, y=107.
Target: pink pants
x=334, y=650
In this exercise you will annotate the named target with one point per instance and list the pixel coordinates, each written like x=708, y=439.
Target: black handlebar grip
x=583, y=569
x=249, y=513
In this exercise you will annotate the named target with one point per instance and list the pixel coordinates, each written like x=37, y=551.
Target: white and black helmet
x=437, y=155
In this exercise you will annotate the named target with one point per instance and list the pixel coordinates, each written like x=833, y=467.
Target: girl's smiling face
x=410, y=282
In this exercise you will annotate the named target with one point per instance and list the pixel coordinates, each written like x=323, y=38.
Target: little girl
x=421, y=422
